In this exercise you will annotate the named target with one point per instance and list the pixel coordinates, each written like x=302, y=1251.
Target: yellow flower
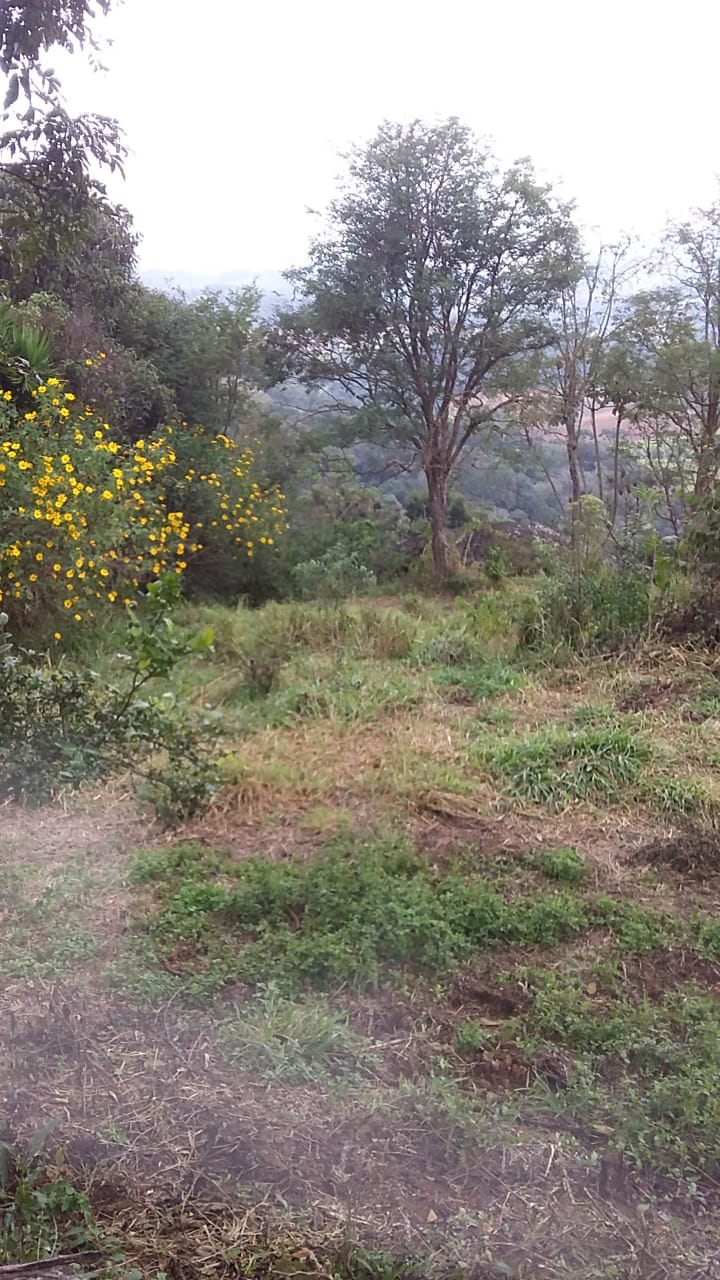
x=39, y=556
x=88, y=363
x=64, y=413
x=106, y=495
x=67, y=604
x=53, y=382
x=32, y=577
x=77, y=617
x=41, y=391
x=58, y=635
x=69, y=396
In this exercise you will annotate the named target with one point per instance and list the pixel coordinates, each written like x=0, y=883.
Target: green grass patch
x=646, y=1073
x=355, y=910
x=302, y=1040
x=683, y=798
x=481, y=681
x=563, y=864
x=344, y=690
x=595, y=714
x=44, y=933
x=360, y=911
x=561, y=765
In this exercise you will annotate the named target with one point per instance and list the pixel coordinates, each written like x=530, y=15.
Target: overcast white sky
x=235, y=112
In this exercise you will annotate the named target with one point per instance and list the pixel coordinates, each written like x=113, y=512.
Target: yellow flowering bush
x=235, y=523
x=85, y=521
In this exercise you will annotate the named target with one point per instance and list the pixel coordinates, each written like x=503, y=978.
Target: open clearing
x=431, y=991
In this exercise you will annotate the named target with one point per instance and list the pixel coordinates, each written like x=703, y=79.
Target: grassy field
x=432, y=990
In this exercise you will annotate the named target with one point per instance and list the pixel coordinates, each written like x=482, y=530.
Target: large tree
x=49, y=158
x=432, y=285
x=673, y=334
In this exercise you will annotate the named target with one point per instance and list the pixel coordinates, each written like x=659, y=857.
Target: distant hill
x=274, y=289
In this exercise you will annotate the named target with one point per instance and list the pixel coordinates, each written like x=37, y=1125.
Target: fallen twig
x=60, y=1259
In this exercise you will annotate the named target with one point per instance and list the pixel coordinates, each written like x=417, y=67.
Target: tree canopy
x=434, y=281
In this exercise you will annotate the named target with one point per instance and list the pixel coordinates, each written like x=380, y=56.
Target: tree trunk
x=618, y=411
x=598, y=460
x=437, y=486
x=707, y=467
x=573, y=455
x=572, y=440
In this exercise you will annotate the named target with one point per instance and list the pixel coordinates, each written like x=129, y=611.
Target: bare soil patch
x=653, y=975
x=691, y=851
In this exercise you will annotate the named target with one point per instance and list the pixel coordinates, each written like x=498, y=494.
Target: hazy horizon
x=235, y=125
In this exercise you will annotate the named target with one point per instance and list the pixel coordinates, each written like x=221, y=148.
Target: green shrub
x=495, y=565
x=333, y=576
x=472, y=1037
x=601, y=608
x=61, y=726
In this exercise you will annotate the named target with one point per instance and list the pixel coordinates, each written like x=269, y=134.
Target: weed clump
x=559, y=766
x=289, y=1039
x=563, y=864
x=41, y=1212
x=480, y=682
x=601, y=609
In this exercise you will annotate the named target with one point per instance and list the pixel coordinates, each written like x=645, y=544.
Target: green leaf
x=37, y=1140
x=203, y=640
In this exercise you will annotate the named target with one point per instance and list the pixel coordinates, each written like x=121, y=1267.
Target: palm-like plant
x=25, y=354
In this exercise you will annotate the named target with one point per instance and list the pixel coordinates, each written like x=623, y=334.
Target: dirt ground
x=197, y=1165
x=184, y=1155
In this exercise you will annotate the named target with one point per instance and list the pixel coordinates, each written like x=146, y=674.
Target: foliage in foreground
x=42, y=1213
x=62, y=726
x=643, y=1070
x=359, y=909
